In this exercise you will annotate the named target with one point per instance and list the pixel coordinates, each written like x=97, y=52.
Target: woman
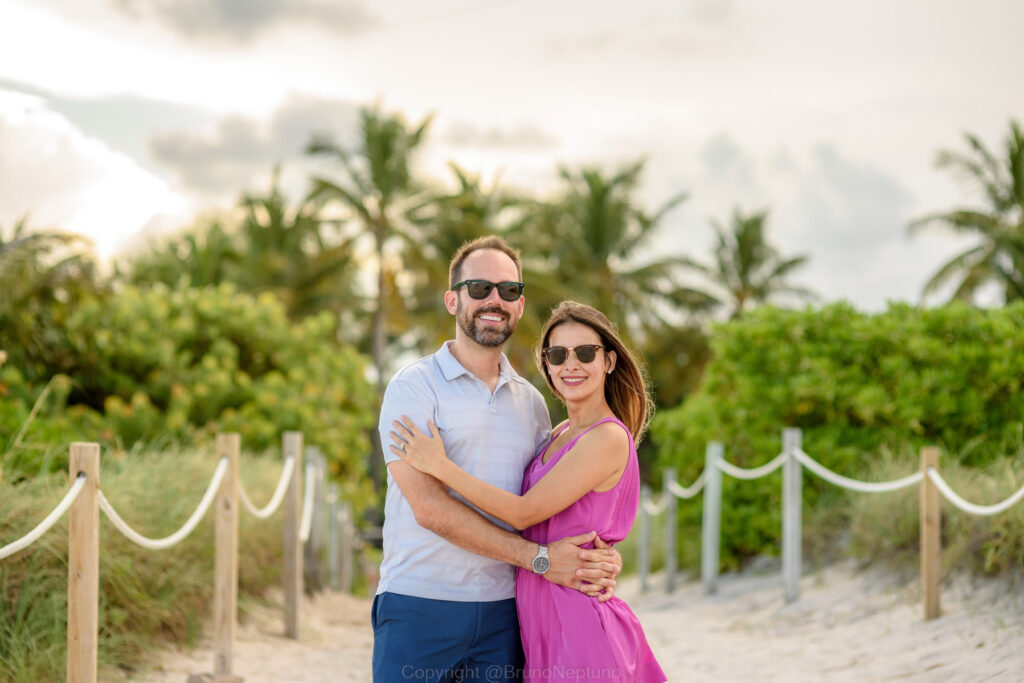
x=586, y=478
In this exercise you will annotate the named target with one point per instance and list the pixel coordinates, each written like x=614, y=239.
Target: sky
x=124, y=119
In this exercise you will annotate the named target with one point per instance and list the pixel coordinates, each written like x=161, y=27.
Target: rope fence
x=972, y=508
x=45, y=525
x=792, y=460
x=179, y=535
x=275, y=500
x=85, y=499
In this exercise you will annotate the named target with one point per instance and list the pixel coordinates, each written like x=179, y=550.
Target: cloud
x=712, y=12
x=64, y=179
x=651, y=44
x=847, y=215
x=696, y=28
x=851, y=217
x=239, y=151
x=851, y=206
x=242, y=20
x=726, y=164
x=122, y=122
x=523, y=136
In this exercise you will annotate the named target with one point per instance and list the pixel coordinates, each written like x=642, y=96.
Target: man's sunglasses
x=481, y=289
x=585, y=353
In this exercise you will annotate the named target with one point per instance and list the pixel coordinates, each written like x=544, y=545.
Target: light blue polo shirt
x=491, y=436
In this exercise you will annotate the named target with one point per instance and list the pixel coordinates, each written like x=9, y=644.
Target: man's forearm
x=455, y=521
x=463, y=526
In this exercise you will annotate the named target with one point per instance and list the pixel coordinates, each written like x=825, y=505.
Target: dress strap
x=555, y=435
x=551, y=440
x=601, y=421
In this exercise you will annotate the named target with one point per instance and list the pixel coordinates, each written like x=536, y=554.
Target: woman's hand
x=425, y=453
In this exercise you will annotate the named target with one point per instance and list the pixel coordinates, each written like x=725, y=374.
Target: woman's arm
x=603, y=452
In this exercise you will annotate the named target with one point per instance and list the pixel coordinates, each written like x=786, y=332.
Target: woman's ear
x=612, y=357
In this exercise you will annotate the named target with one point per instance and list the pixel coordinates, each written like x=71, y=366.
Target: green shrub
x=176, y=366
x=857, y=385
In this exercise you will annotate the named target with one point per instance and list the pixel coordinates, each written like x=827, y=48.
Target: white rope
x=654, y=509
x=306, y=527
x=180, y=534
x=983, y=510
x=753, y=473
x=51, y=519
x=852, y=484
x=275, y=500
x=679, y=492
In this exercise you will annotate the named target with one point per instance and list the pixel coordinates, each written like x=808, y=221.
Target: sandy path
x=847, y=626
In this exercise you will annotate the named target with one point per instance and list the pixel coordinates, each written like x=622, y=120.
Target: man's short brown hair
x=486, y=242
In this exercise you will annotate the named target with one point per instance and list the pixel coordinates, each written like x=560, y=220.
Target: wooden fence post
x=671, y=560
x=320, y=521
x=333, y=536
x=931, y=540
x=644, y=547
x=711, y=522
x=347, y=549
x=313, y=561
x=292, y=446
x=225, y=592
x=792, y=506
x=83, y=565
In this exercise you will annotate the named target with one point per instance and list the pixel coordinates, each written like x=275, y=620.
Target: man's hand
x=591, y=571
x=602, y=561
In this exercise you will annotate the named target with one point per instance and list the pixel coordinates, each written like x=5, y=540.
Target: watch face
x=540, y=565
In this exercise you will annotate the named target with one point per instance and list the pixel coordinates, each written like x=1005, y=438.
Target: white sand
x=847, y=626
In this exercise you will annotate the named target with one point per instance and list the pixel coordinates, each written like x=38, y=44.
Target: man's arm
x=591, y=571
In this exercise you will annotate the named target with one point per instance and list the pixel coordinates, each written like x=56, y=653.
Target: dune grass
x=147, y=598
x=884, y=528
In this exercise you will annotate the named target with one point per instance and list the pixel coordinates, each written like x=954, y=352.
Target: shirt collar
x=452, y=368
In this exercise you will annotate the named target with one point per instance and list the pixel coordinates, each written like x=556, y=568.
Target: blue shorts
x=434, y=641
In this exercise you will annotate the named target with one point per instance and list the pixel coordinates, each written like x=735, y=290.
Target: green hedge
x=163, y=365
x=861, y=387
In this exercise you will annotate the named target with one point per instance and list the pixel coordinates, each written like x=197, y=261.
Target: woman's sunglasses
x=481, y=289
x=585, y=353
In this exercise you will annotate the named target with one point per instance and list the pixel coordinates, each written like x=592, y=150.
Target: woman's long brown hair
x=626, y=388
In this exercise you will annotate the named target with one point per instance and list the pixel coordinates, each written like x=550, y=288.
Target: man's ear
x=451, y=301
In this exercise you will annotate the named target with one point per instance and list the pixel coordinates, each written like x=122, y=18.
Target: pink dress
x=568, y=636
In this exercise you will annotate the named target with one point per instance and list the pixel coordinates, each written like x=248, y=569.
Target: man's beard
x=485, y=335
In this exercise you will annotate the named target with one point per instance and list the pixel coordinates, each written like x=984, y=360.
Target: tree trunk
x=379, y=360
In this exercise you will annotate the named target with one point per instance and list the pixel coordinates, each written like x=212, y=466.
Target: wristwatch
x=541, y=563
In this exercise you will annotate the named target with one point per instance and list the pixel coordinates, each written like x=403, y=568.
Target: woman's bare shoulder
x=606, y=440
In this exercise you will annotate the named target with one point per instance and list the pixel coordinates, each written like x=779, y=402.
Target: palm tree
x=998, y=256
x=33, y=262
x=203, y=255
x=268, y=246
x=43, y=276
x=378, y=188
x=675, y=357
x=748, y=270
x=295, y=253
x=591, y=240
x=443, y=224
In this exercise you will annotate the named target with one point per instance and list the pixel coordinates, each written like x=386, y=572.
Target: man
x=445, y=608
